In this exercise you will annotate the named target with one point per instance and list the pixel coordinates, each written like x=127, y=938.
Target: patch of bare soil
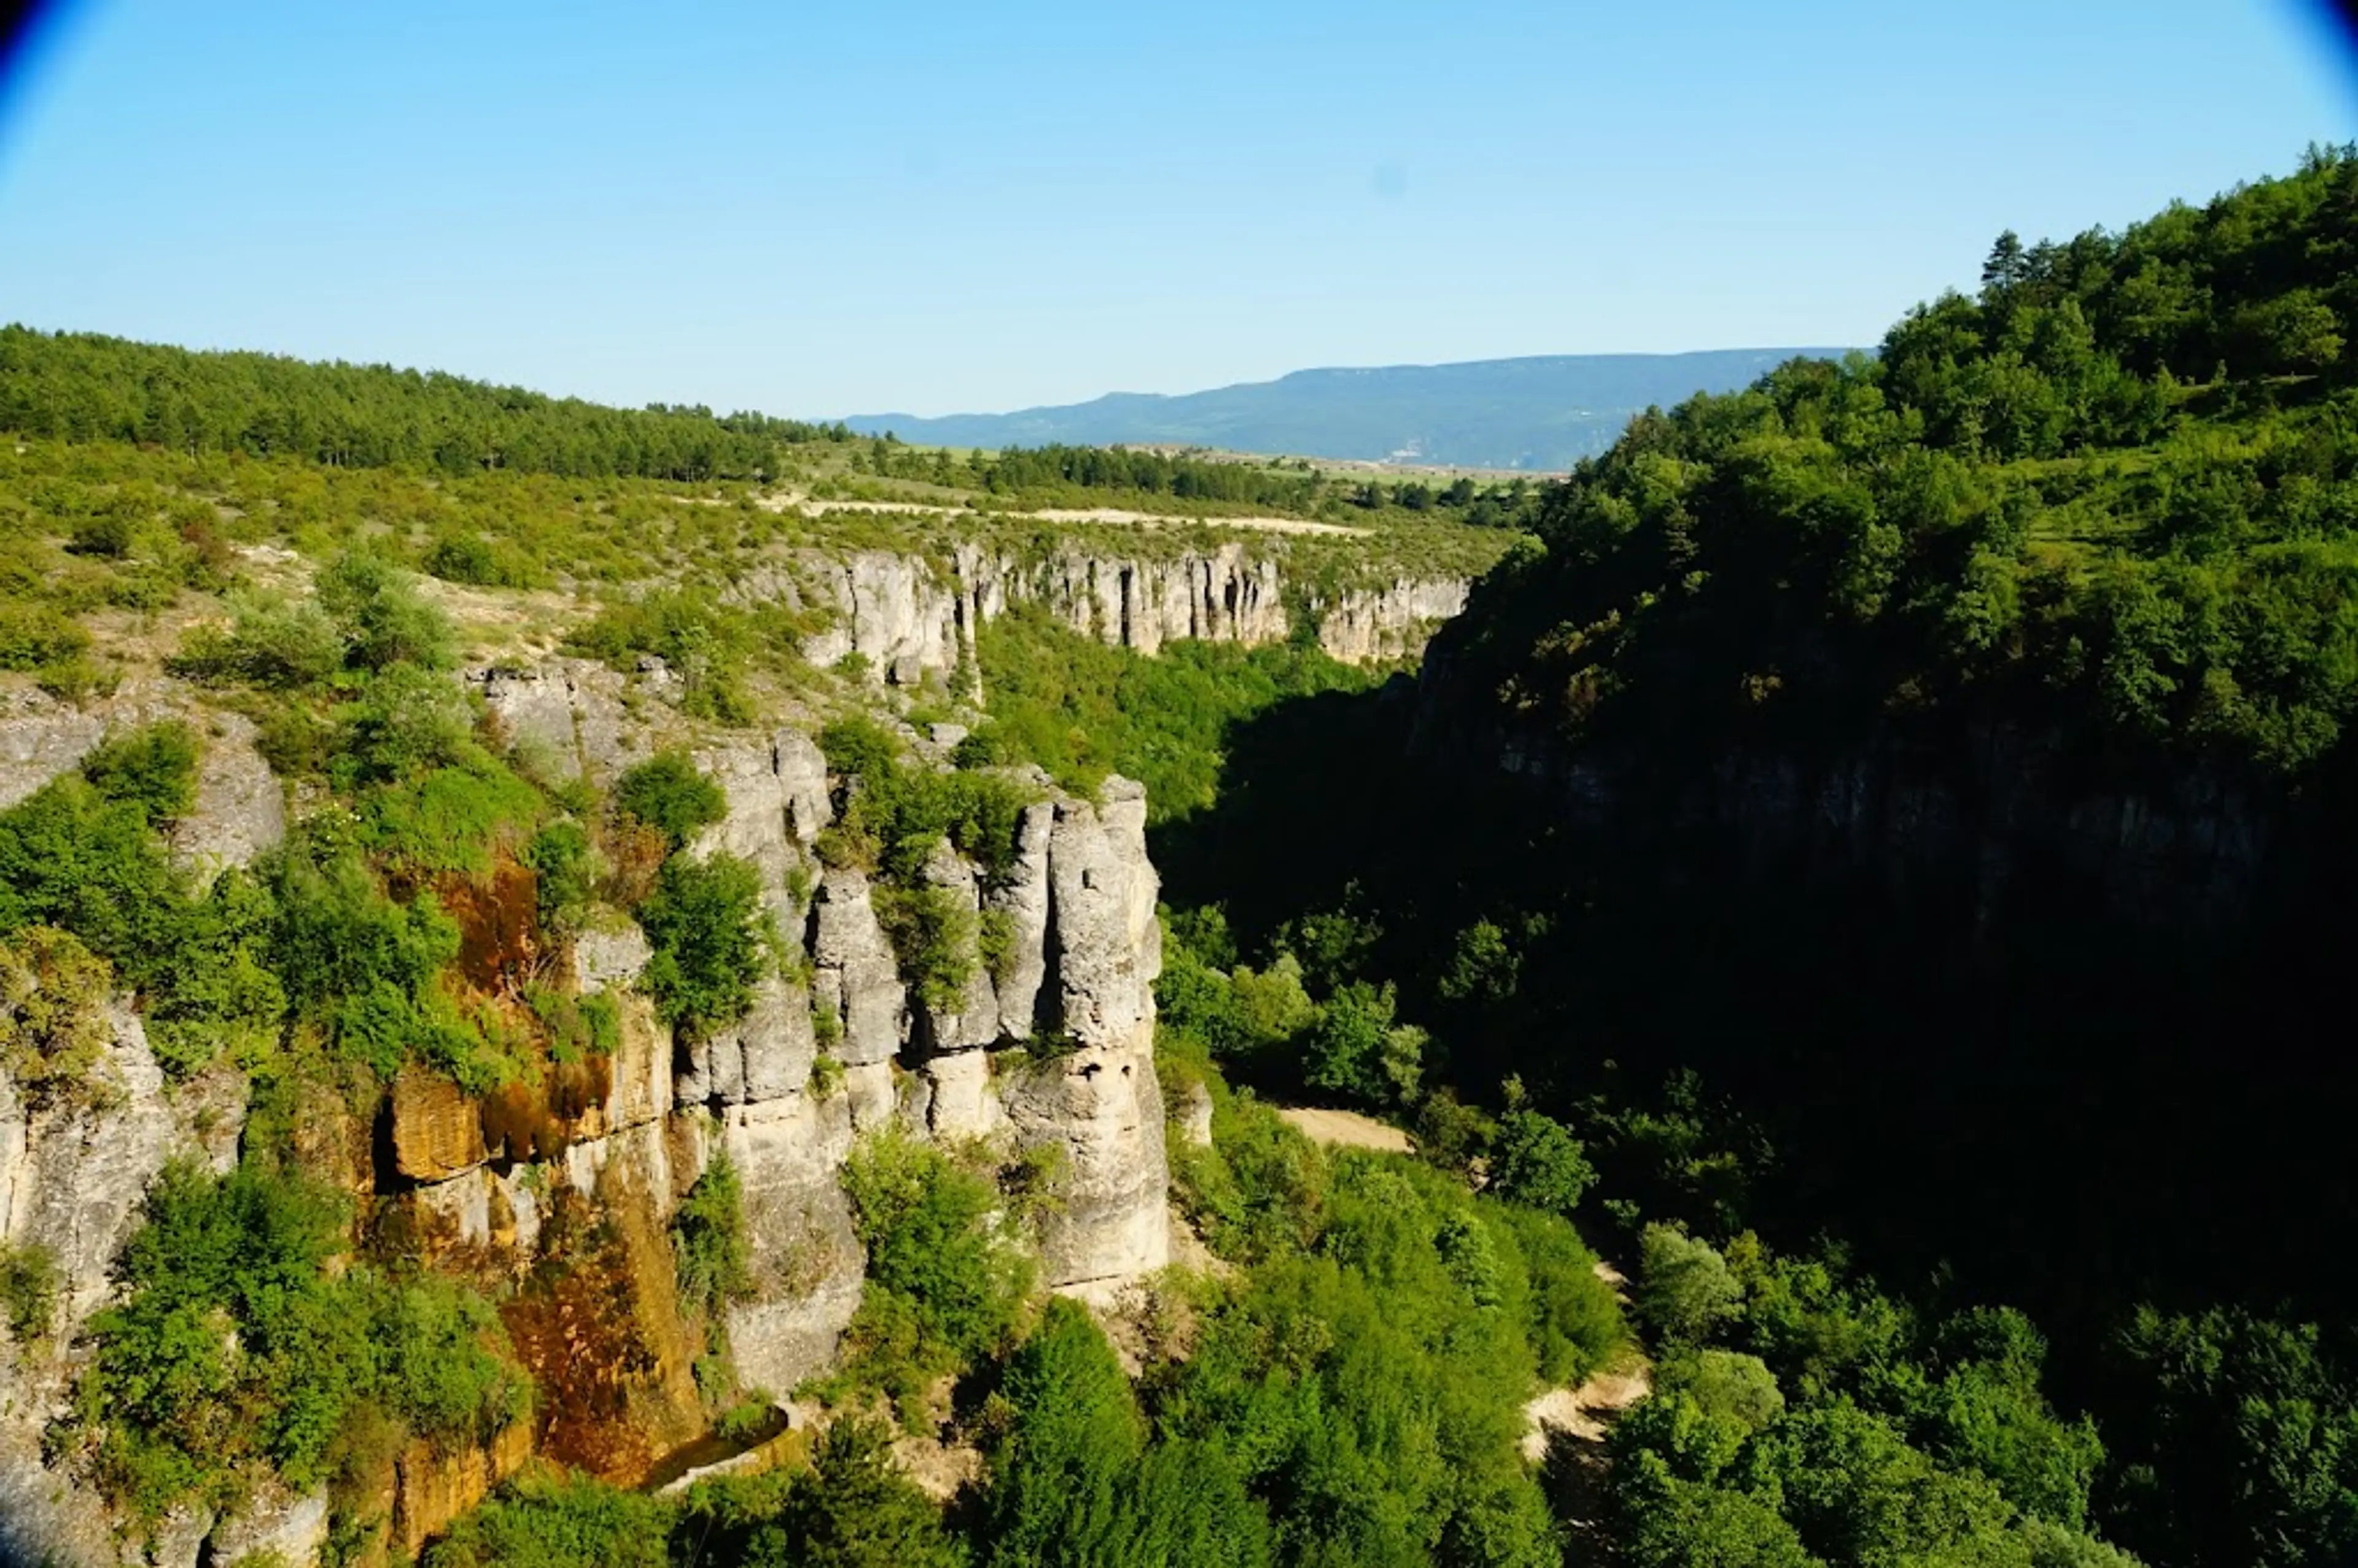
x=1346, y=1129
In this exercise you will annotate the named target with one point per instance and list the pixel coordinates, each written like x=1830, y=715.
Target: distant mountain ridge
x=1540, y=412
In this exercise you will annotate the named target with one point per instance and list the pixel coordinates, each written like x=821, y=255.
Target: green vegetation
x=84, y=387
x=944, y=1285
x=235, y=1353
x=29, y=1282
x=706, y=923
x=1841, y=1427
x=708, y=1242
x=54, y=1030
x=853, y=1509
x=554, y=1522
x=2110, y=494
x=1083, y=710
x=891, y=817
x=668, y=794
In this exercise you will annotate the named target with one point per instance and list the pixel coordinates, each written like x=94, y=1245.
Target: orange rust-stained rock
x=498, y=925
x=437, y=1130
x=534, y=1119
x=435, y=1488
x=600, y=1328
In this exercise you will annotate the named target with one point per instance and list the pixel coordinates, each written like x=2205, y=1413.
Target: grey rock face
x=801, y=774
x=1022, y=899
x=1365, y=625
x=907, y=618
x=974, y=1021
x=240, y=808
x=535, y=706
x=807, y=1260
x=1102, y=1107
x=72, y=1181
x=615, y=958
x=856, y=970
x=1105, y=946
x=274, y=1524
x=764, y=1056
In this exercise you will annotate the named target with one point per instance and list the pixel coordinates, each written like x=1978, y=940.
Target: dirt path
x=1110, y=515
x=1346, y=1129
x=1565, y=1432
x=1582, y=1414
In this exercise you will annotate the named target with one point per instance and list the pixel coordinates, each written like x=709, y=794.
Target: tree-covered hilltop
x=2116, y=492
x=81, y=386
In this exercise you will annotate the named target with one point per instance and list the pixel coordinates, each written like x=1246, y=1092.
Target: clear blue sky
x=937, y=207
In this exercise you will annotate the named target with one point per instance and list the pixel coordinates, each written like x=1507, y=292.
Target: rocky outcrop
x=907, y=617
x=559, y=1183
x=1370, y=625
x=1100, y=1106
x=72, y=1176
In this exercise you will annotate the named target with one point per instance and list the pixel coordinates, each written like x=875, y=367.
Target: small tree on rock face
x=669, y=795
x=707, y=953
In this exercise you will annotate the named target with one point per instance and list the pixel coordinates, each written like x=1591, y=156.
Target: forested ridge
x=83, y=386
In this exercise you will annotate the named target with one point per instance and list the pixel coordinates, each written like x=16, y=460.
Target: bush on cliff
x=703, y=920
x=235, y=1353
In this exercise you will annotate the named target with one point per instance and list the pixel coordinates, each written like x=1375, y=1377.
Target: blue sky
x=939, y=207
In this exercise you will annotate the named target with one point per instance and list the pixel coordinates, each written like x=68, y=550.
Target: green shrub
x=1535, y=1159
x=891, y=816
x=271, y=642
x=234, y=1353
x=106, y=534
x=995, y=942
x=551, y=1521
x=853, y=1509
x=30, y=1281
x=670, y=794
x=36, y=638
x=707, y=644
x=482, y=562
x=53, y=1025
x=702, y=921
x=154, y=767
x=1575, y=1325
x=566, y=872
x=383, y=619
x=451, y=818
x=943, y=1288
x=710, y=1248
x=1685, y=1291
x=338, y=935
x=578, y=1026
x=74, y=860
x=933, y=933
x=405, y=722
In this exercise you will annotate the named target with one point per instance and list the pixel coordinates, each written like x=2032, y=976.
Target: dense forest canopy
x=81, y=386
x=2115, y=490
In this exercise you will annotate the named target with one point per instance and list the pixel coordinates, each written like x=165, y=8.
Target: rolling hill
x=1543, y=412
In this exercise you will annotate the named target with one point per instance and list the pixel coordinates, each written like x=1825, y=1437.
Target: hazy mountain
x=1542, y=412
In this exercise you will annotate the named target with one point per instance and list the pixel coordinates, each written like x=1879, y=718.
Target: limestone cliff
x=554, y=1192
x=1955, y=826
x=907, y=615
